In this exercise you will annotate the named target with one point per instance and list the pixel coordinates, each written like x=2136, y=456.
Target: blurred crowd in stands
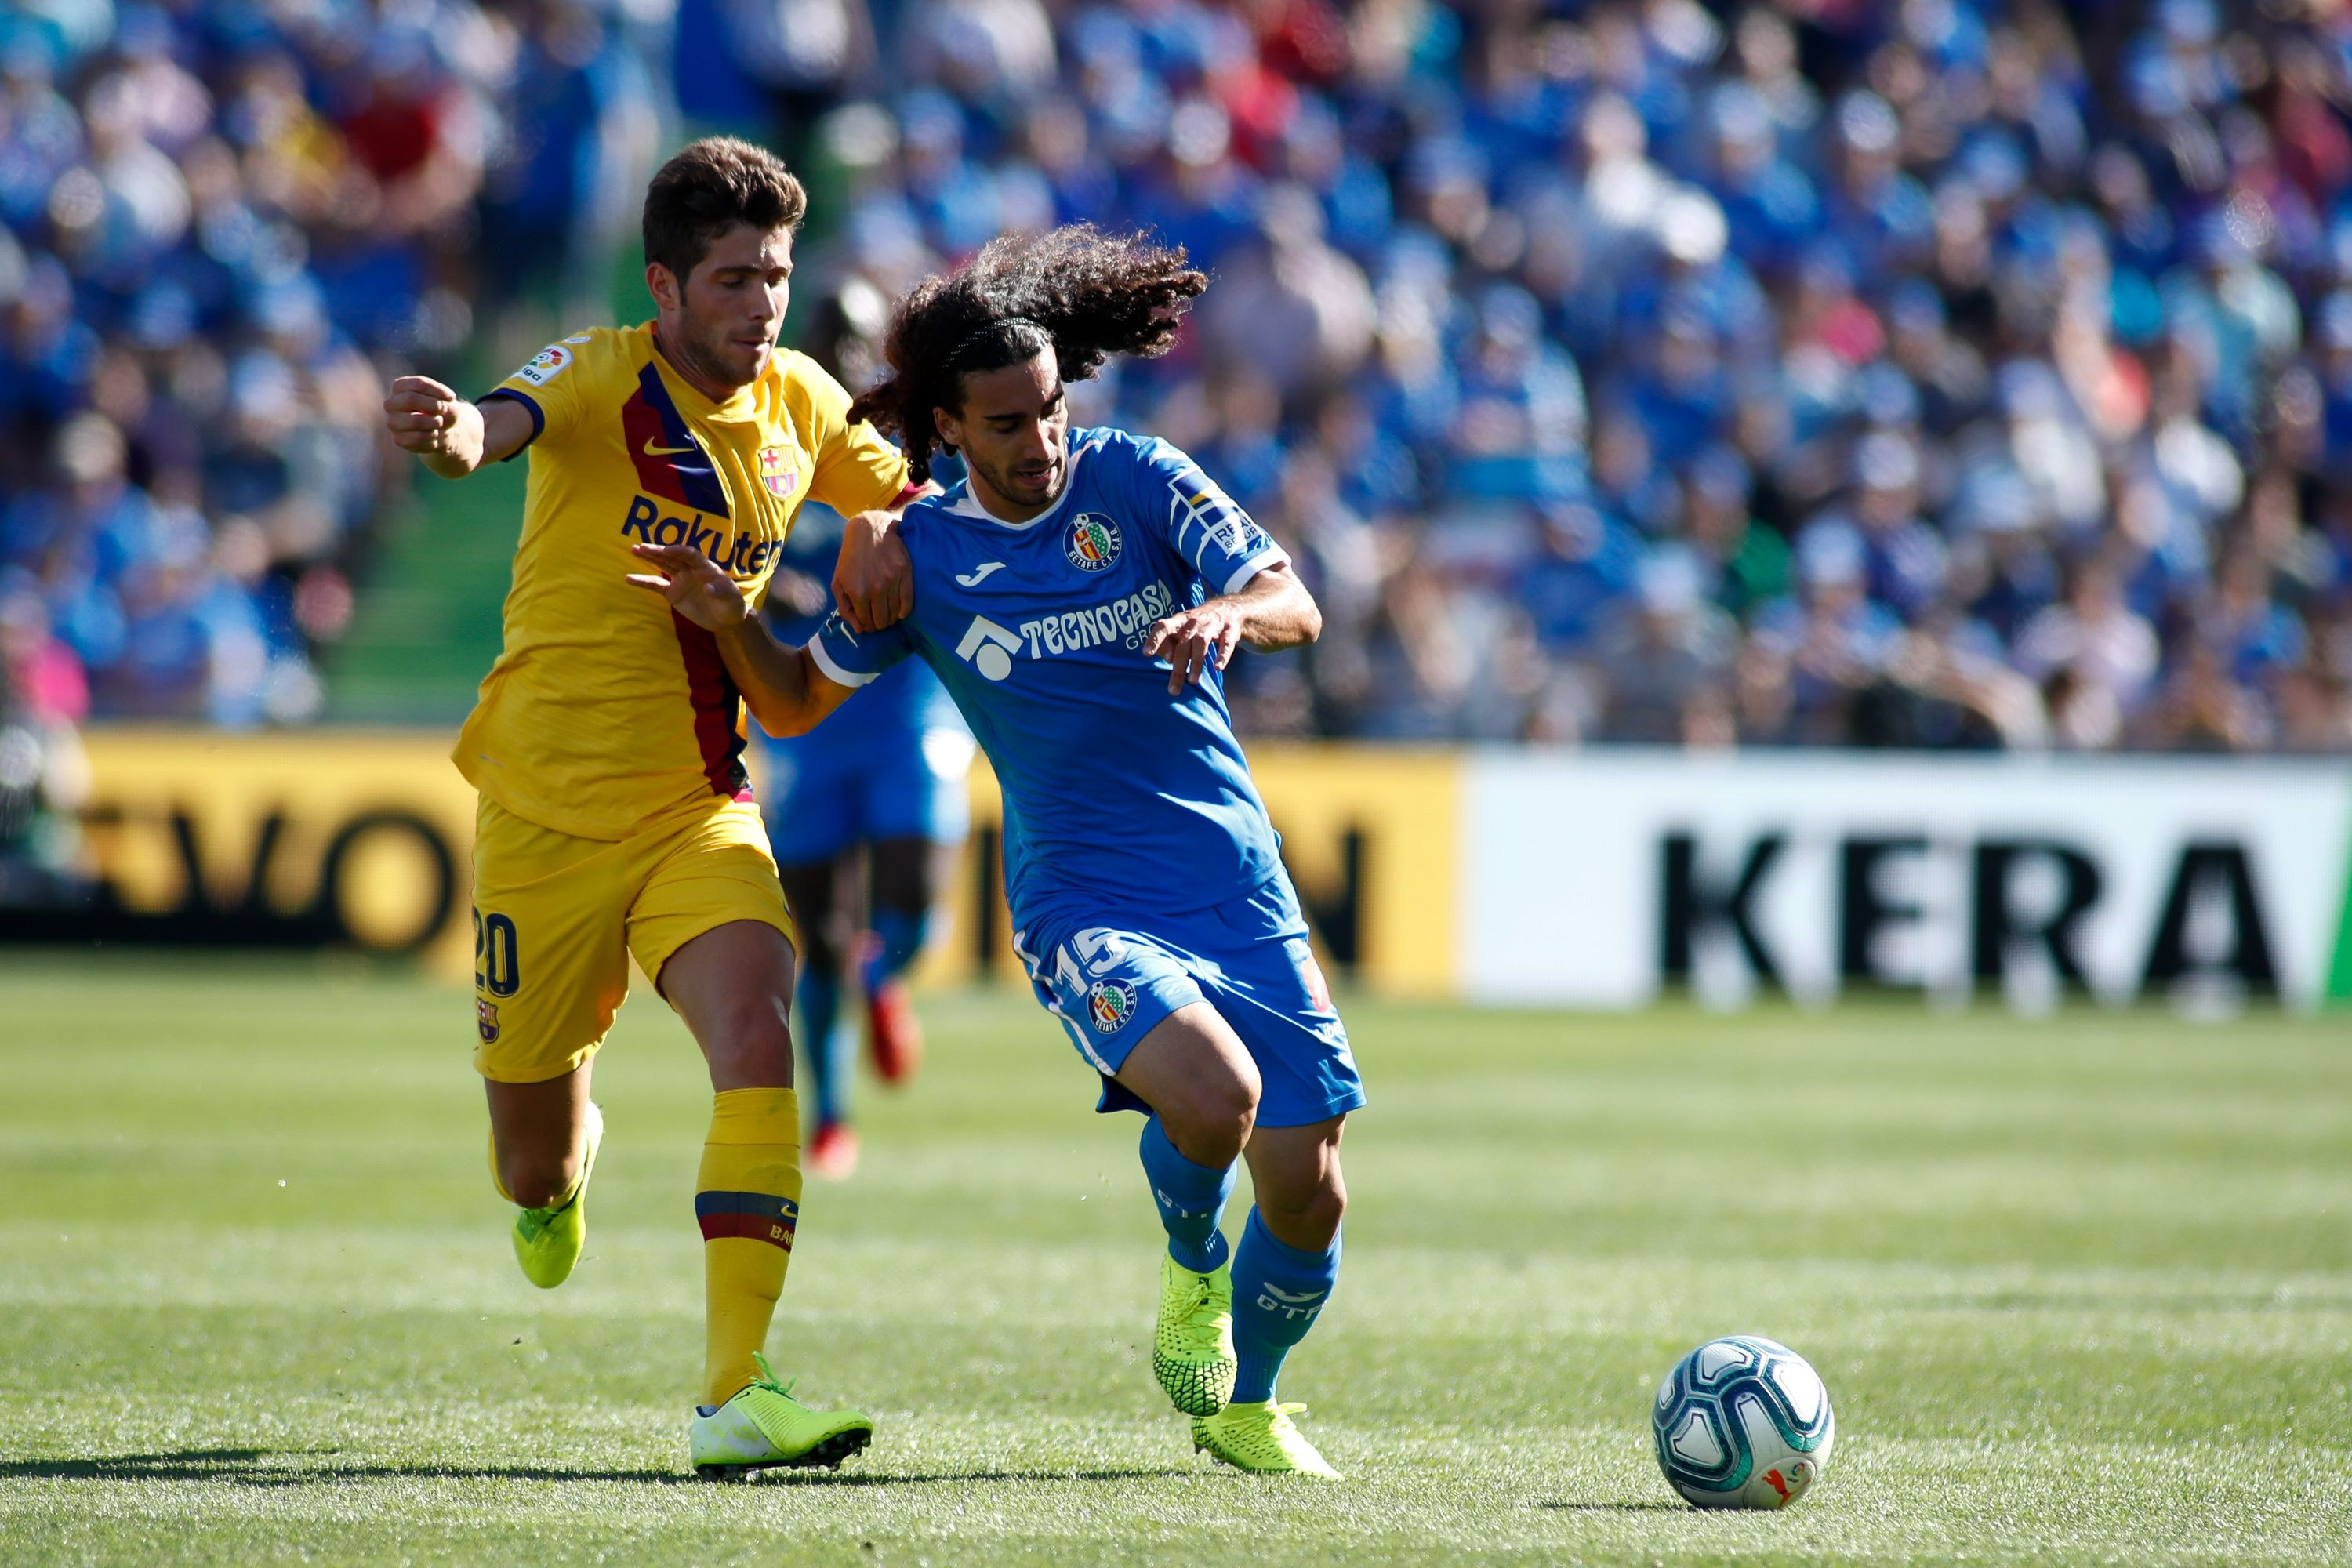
x=221, y=224
x=1943, y=373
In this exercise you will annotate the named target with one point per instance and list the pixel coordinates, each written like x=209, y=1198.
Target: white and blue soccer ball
x=1742, y=1422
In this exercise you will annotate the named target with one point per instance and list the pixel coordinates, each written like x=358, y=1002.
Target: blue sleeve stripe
x=832, y=667
x=538, y=417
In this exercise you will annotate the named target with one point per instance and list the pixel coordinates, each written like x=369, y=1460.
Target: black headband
x=980, y=334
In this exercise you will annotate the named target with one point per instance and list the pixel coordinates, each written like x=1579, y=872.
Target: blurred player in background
x=1079, y=597
x=615, y=817
x=865, y=821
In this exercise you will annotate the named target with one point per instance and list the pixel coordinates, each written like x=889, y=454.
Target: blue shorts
x=833, y=788
x=1110, y=977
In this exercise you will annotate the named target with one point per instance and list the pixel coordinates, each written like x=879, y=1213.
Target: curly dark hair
x=1086, y=293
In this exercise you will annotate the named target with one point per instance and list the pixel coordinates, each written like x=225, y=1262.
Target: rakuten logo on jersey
x=989, y=648
x=743, y=556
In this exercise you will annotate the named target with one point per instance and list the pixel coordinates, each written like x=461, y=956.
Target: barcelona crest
x=1093, y=543
x=779, y=479
x=1111, y=1004
x=485, y=1019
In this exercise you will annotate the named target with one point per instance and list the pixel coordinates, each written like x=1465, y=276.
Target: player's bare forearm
x=1277, y=610
x=449, y=435
x=781, y=686
x=1271, y=612
x=778, y=683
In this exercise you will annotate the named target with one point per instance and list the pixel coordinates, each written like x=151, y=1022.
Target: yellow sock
x=747, y=1198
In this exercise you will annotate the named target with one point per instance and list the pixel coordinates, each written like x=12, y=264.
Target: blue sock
x=1279, y=1291
x=1191, y=1200
x=899, y=934
x=823, y=1046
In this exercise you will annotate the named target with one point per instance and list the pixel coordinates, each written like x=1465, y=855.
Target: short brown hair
x=708, y=188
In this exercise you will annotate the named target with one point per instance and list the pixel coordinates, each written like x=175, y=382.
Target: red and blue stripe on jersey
x=670, y=462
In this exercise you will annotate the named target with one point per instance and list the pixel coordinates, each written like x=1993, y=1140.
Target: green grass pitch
x=2081, y=1289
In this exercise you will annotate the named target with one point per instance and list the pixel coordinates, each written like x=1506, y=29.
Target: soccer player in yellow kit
x=615, y=817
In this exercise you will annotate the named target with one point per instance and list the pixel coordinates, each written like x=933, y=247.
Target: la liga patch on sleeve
x=545, y=366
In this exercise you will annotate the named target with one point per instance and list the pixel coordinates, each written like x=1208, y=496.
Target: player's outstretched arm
x=452, y=436
x=782, y=687
x=1271, y=612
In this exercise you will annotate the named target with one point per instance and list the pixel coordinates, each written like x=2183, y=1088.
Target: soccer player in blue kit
x=866, y=818
x=1080, y=594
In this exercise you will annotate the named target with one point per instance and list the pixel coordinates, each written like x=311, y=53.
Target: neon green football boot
x=1193, y=1347
x=765, y=1427
x=547, y=1242
x=1262, y=1439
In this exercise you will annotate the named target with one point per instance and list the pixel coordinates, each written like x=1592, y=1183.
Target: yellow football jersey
x=607, y=709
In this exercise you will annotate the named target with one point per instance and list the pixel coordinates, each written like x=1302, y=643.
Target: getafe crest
x=1093, y=541
x=1111, y=1004
x=779, y=479
x=485, y=1019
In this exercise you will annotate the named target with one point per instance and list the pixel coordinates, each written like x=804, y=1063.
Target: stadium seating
x=1953, y=374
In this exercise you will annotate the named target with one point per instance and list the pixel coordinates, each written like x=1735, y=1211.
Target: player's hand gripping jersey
x=1113, y=789
x=892, y=764
x=605, y=710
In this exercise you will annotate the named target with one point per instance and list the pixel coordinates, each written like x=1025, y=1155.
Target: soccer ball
x=1742, y=1422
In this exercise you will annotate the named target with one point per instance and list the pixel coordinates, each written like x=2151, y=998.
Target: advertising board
x=1520, y=876
x=1601, y=879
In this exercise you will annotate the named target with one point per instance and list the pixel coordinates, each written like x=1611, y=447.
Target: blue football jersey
x=1112, y=788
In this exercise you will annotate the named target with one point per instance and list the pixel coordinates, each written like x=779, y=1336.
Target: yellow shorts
x=556, y=918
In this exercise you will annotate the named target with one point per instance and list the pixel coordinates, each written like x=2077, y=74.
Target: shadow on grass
x=2284, y=1301
x=268, y=1468
x=878, y=1479
x=1615, y=1507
